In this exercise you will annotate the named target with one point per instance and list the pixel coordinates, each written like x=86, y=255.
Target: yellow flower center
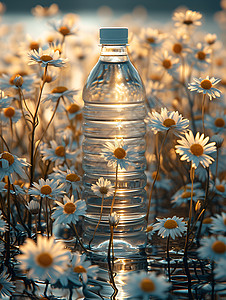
x=34, y=46
x=155, y=77
x=149, y=228
x=69, y=208
x=186, y=195
x=219, y=122
x=46, y=189
x=120, y=153
x=188, y=22
x=219, y=247
x=9, y=112
x=154, y=175
x=16, y=80
x=220, y=188
x=169, y=122
x=48, y=78
x=206, y=84
x=59, y=90
x=177, y=48
x=46, y=58
x=44, y=260
x=64, y=30
x=73, y=108
x=79, y=269
x=150, y=40
x=103, y=190
x=170, y=224
x=207, y=220
x=197, y=149
x=166, y=63
x=60, y=151
x=72, y=177
x=9, y=157
x=201, y=55
x=147, y=285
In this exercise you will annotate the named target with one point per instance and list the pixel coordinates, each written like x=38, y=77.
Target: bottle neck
x=114, y=53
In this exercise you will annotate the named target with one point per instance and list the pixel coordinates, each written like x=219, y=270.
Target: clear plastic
x=114, y=108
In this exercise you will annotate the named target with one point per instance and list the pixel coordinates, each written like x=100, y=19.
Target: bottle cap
x=114, y=35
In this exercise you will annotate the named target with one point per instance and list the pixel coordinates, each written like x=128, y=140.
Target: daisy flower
x=103, y=187
x=166, y=120
x=69, y=211
x=200, y=57
x=118, y=154
x=46, y=58
x=152, y=37
x=196, y=149
x=58, y=92
x=58, y=153
x=10, y=165
x=5, y=102
x=220, y=187
x=33, y=206
x=150, y=231
x=41, y=11
x=46, y=188
x=172, y=227
x=218, y=224
x=73, y=110
x=63, y=27
x=3, y=224
x=161, y=182
x=45, y=260
x=210, y=39
x=15, y=189
x=178, y=44
x=213, y=248
x=6, y=286
x=114, y=219
x=82, y=268
x=165, y=62
x=220, y=269
x=17, y=81
x=183, y=195
x=10, y=114
x=205, y=86
x=187, y=19
x=145, y=285
x=218, y=123
x=69, y=178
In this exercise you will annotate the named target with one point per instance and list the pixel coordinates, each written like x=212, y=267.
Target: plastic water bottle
x=114, y=108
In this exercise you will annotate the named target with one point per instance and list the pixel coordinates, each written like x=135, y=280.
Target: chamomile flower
x=69, y=211
x=3, y=224
x=16, y=81
x=10, y=165
x=161, y=181
x=166, y=63
x=10, y=114
x=205, y=86
x=64, y=28
x=196, y=149
x=145, y=286
x=5, y=102
x=46, y=188
x=7, y=287
x=57, y=153
x=41, y=11
x=183, y=195
x=15, y=189
x=210, y=39
x=200, y=57
x=82, y=268
x=45, y=260
x=187, y=19
x=218, y=224
x=60, y=92
x=220, y=187
x=103, y=187
x=46, y=58
x=166, y=120
x=172, y=227
x=178, y=43
x=118, y=154
x=218, y=123
x=220, y=269
x=73, y=110
x=152, y=38
x=114, y=219
x=213, y=248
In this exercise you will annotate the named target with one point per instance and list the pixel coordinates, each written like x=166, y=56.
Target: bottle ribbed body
x=114, y=108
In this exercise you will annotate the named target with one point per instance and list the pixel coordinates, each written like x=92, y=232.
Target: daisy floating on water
x=103, y=188
x=196, y=149
x=172, y=227
x=118, y=154
x=218, y=224
x=213, y=248
x=46, y=58
x=206, y=86
x=69, y=211
x=46, y=188
x=166, y=120
x=45, y=260
x=10, y=165
x=6, y=286
x=145, y=286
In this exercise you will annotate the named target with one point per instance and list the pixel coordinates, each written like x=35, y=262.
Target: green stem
x=203, y=112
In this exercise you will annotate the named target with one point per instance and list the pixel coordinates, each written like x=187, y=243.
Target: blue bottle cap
x=114, y=35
